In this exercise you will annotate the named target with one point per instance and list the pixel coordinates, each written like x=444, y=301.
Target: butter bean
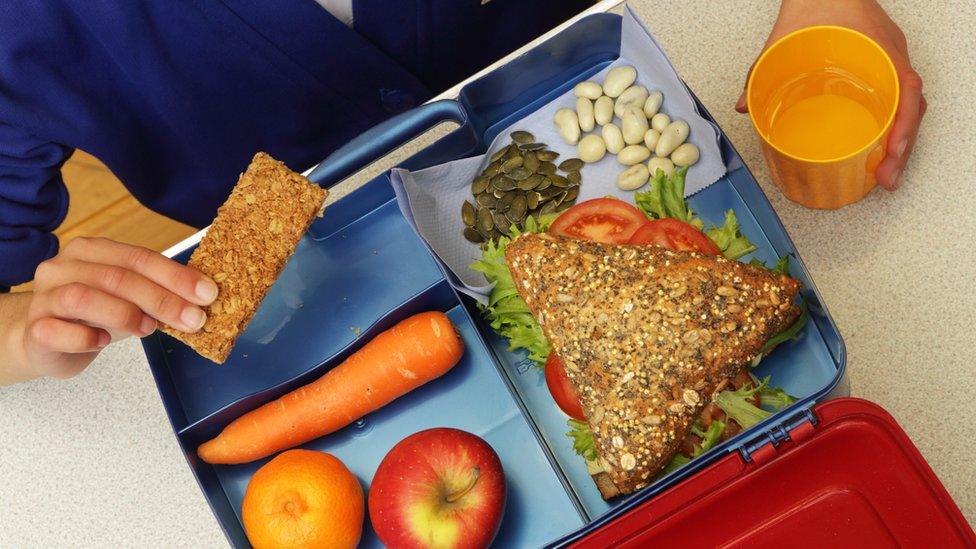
x=658, y=163
x=634, y=125
x=633, y=154
x=589, y=89
x=660, y=121
x=613, y=138
x=673, y=135
x=603, y=110
x=633, y=177
x=650, y=138
x=568, y=125
x=653, y=104
x=591, y=148
x=619, y=79
x=584, y=111
x=633, y=96
x=685, y=155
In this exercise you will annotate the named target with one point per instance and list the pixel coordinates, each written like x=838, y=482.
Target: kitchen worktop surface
x=92, y=461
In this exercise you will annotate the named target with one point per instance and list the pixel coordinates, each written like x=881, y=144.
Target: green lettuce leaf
x=793, y=332
x=583, y=442
x=744, y=412
x=709, y=438
x=729, y=238
x=774, y=397
x=782, y=265
x=677, y=462
x=666, y=198
x=506, y=312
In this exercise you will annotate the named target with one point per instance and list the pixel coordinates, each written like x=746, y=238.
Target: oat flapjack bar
x=248, y=244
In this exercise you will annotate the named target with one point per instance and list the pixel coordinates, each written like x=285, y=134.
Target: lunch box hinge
x=796, y=428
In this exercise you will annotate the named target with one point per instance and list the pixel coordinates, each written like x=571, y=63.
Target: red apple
x=438, y=488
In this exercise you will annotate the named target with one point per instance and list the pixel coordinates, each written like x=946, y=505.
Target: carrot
x=415, y=351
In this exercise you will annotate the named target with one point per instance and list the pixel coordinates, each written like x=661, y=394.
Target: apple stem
x=452, y=497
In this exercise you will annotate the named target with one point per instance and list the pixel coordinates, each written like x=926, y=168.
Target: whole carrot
x=397, y=361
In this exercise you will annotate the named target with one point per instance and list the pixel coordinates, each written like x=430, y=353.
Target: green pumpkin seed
x=511, y=164
x=531, y=162
x=522, y=137
x=503, y=183
x=548, y=208
x=546, y=183
x=530, y=182
x=512, y=152
x=574, y=177
x=498, y=194
x=479, y=185
x=571, y=194
x=559, y=181
x=485, y=222
x=571, y=165
x=546, y=156
x=473, y=235
x=504, y=202
x=532, y=200
x=499, y=153
x=564, y=206
x=518, y=208
x=520, y=173
x=468, y=214
x=486, y=200
x=492, y=169
x=532, y=146
x=551, y=192
x=501, y=222
x=547, y=168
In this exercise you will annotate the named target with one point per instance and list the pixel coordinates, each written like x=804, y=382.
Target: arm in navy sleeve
x=33, y=202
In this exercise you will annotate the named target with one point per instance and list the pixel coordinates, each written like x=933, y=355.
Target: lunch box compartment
x=362, y=267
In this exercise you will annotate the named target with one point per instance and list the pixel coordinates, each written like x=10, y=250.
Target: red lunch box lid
x=854, y=479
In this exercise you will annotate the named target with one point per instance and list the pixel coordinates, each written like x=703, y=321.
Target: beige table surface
x=92, y=461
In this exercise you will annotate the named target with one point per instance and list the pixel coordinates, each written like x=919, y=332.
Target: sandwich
x=647, y=336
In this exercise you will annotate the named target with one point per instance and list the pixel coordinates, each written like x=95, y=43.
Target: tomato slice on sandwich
x=675, y=235
x=605, y=220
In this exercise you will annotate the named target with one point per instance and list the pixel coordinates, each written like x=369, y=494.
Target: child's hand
x=867, y=17
x=96, y=291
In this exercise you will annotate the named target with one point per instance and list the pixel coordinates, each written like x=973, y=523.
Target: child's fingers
x=904, y=130
x=156, y=301
x=188, y=283
x=61, y=336
x=77, y=301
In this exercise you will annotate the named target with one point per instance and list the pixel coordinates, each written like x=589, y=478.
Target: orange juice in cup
x=823, y=99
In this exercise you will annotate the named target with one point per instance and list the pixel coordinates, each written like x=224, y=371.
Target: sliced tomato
x=561, y=389
x=675, y=235
x=602, y=220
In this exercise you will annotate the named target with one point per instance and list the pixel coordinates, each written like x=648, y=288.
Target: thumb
x=904, y=130
x=740, y=105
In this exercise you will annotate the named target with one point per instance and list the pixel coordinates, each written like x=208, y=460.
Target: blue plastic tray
x=361, y=269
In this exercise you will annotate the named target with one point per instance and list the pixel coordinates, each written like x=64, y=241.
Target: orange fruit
x=303, y=499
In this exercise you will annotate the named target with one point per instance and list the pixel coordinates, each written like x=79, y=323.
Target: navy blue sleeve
x=33, y=202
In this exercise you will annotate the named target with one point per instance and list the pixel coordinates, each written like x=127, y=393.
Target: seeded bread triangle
x=646, y=335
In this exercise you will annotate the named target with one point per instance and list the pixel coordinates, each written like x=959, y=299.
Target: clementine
x=303, y=498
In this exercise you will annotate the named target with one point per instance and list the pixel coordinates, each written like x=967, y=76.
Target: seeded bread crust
x=647, y=336
x=255, y=233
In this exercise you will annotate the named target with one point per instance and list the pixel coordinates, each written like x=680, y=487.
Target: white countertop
x=93, y=462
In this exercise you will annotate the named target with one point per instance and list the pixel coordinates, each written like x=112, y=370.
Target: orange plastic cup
x=823, y=99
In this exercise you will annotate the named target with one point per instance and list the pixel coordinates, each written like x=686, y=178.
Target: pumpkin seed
x=548, y=208
x=501, y=222
x=520, y=173
x=485, y=222
x=498, y=194
x=531, y=200
x=486, y=200
x=468, y=214
x=531, y=162
x=499, y=153
x=472, y=235
x=545, y=184
x=522, y=137
x=546, y=156
x=551, y=192
x=563, y=207
x=532, y=146
x=512, y=152
x=546, y=168
x=479, y=185
x=503, y=183
x=511, y=164
x=531, y=182
x=560, y=198
x=574, y=177
x=504, y=202
x=492, y=169
x=571, y=194
x=559, y=181
x=571, y=165
x=519, y=206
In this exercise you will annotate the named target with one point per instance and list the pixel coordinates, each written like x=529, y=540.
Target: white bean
x=619, y=79
x=603, y=110
x=658, y=163
x=591, y=148
x=633, y=177
x=685, y=155
x=584, y=111
x=672, y=136
x=660, y=121
x=634, y=125
x=613, y=138
x=651, y=137
x=633, y=154
x=589, y=89
x=653, y=104
x=568, y=125
x=633, y=96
